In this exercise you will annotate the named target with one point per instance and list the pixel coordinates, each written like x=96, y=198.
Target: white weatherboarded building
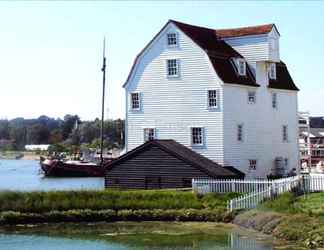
x=223, y=93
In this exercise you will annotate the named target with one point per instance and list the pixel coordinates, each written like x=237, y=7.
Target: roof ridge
x=247, y=27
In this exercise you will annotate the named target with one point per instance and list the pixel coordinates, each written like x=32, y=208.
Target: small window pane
x=172, y=39
x=274, y=100
x=251, y=97
x=240, y=132
x=149, y=134
x=241, y=67
x=197, y=136
x=172, y=67
x=212, y=98
x=135, y=101
x=252, y=164
x=272, y=71
x=285, y=133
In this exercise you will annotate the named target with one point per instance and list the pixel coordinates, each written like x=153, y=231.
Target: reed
x=40, y=202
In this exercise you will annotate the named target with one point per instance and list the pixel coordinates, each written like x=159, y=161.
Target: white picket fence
x=278, y=187
x=256, y=191
x=205, y=185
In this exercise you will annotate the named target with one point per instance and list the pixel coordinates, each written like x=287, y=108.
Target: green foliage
x=284, y=203
x=108, y=215
x=16, y=133
x=40, y=202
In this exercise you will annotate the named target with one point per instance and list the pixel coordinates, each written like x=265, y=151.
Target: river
x=136, y=235
x=24, y=175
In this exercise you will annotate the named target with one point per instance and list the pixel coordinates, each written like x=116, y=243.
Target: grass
x=291, y=217
x=111, y=205
x=39, y=202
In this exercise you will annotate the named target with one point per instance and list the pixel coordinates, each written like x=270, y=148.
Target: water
x=24, y=175
x=136, y=236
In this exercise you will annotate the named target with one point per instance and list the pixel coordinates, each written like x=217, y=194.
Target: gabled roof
x=181, y=152
x=218, y=51
x=246, y=31
x=283, y=79
x=221, y=54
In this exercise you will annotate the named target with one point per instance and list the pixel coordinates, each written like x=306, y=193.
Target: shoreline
x=19, y=155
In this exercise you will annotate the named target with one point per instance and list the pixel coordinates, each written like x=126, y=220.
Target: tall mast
x=103, y=69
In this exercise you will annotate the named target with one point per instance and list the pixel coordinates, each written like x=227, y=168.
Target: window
x=240, y=132
x=197, y=136
x=252, y=164
x=285, y=133
x=173, y=67
x=272, y=71
x=286, y=163
x=135, y=101
x=212, y=98
x=274, y=100
x=149, y=134
x=251, y=97
x=241, y=67
x=172, y=39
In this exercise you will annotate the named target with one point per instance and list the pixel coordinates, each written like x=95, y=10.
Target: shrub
x=41, y=202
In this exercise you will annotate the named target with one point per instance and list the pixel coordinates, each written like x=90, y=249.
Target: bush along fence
x=257, y=191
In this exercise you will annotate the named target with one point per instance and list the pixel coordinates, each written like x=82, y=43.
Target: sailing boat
x=60, y=168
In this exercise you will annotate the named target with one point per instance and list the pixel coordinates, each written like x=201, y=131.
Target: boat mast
x=103, y=69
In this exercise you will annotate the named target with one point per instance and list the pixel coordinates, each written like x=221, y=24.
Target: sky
x=51, y=52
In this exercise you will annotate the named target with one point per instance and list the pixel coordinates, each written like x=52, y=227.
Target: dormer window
x=272, y=71
x=172, y=39
x=241, y=66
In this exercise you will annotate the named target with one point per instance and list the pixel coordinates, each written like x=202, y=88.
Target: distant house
x=225, y=94
x=311, y=139
x=162, y=164
x=33, y=147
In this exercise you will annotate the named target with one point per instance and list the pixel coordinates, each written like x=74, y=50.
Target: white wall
x=262, y=126
x=256, y=48
x=172, y=106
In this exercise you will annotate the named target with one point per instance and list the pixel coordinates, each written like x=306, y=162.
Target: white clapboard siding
x=172, y=106
x=252, y=48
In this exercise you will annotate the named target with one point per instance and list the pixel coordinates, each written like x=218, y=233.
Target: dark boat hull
x=57, y=168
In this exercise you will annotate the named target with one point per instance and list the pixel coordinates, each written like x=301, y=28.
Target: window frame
x=139, y=101
x=177, y=67
x=254, y=97
x=240, y=61
x=274, y=100
x=213, y=98
x=253, y=164
x=202, y=136
x=284, y=133
x=176, y=39
x=146, y=136
x=272, y=72
x=240, y=132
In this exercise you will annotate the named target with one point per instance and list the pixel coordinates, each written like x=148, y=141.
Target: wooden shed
x=162, y=164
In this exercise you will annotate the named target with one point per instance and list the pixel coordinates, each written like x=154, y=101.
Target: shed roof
x=181, y=152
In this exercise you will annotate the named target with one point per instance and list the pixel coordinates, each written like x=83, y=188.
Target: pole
x=103, y=69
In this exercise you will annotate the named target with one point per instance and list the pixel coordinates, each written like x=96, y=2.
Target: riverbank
x=19, y=155
x=298, y=219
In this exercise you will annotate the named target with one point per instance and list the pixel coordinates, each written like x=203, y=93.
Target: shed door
x=152, y=182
